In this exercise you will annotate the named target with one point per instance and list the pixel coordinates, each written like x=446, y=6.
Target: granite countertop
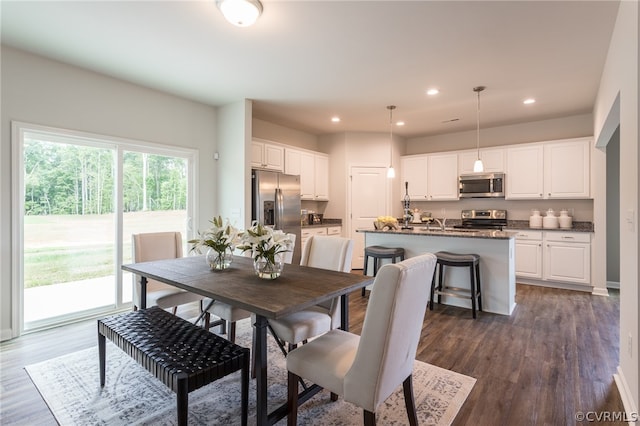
x=420, y=230
x=325, y=223
x=524, y=225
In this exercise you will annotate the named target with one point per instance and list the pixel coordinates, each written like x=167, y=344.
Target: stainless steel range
x=483, y=219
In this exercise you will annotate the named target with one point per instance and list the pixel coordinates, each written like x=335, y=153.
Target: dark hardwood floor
x=553, y=357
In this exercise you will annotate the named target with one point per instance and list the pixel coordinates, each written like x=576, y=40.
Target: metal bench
x=181, y=355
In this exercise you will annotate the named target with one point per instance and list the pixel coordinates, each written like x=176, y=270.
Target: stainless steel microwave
x=482, y=185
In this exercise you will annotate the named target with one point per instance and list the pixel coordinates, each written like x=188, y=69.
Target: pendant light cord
x=391, y=108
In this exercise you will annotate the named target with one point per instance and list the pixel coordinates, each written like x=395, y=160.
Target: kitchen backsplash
x=582, y=210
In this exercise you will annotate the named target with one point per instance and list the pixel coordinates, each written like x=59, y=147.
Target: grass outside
x=66, y=248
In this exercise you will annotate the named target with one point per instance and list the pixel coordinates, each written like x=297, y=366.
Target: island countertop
x=495, y=248
x=420, y=230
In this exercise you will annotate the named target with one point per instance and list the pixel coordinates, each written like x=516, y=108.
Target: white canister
x=565, y=221
x=535, y=220
x=550, y=221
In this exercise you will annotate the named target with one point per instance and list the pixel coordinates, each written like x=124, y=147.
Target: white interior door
x=369, y=199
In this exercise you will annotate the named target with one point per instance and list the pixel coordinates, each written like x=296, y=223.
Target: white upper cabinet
x=432, y=177
x=267, y=156
x=414, y=171
x=442, y=177
x=566, y=169
x=313, y=169
x=321, y=163
x=524, y=178
x=492, y=160
x=549, y=170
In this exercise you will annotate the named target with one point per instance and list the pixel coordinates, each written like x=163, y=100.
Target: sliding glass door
x=81, y=199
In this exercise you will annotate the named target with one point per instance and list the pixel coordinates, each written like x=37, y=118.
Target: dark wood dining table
x=298, y=288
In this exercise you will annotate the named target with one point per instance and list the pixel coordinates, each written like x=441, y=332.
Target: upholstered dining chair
x=366, y=369
x=160, y=246
x=228, y=315
x=332, y=253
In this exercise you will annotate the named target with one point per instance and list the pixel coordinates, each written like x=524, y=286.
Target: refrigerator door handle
x=279, y=209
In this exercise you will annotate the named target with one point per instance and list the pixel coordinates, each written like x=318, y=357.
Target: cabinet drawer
x=334, y=230
x=568, y=237
x=529, y=235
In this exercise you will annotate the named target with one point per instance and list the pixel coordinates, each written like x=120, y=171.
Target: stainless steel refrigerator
x=276, y=202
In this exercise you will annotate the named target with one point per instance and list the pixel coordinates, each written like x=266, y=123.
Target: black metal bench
x=181, y=355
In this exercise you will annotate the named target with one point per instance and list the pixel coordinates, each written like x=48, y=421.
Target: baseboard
x=613, y=284
x=627, y=399
x=555, y=284
x=6, y=334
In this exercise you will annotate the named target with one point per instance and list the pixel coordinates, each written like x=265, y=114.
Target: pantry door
x=369, y=198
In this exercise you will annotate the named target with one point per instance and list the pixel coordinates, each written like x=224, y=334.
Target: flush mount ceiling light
x=432, y=92
x=529, y=101
x=478, y=166
x=391, y=173
x=242, y=13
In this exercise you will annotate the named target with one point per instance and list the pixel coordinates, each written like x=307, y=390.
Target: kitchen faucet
x=442, y=224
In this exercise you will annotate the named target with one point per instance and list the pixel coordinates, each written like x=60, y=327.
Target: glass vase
x=219, y=261
x=266, y=269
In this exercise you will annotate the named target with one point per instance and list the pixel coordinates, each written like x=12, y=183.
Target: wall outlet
x=630, y=345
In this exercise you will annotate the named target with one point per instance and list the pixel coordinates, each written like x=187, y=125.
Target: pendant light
x=241, y=13
x=391, y=173
x=478, y=166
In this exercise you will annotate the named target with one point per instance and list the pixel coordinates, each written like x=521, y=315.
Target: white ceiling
x=305, y=61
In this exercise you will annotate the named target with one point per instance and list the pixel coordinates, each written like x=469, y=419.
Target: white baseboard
x=6, y=334
x=627, y=399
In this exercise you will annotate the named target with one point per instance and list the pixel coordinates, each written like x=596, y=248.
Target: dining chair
x=367, y=369
x=332, y=253
x=228, y=315
x=159, y=246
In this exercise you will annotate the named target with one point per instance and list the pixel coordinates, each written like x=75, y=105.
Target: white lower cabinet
x=529, y=254
x=332, y=231
x=567, y=257
x=554, y=256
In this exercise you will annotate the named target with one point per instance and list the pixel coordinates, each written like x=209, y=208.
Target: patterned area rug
x=70, y=386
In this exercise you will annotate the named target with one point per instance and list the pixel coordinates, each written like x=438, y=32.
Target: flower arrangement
x=267, y=246
x=220, y=239
x=385, y=222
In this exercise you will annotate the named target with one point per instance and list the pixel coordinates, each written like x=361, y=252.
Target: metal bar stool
x=472, y=261
x=377, y=253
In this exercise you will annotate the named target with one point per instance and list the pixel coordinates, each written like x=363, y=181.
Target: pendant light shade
x=391, y=173
x=241, y=13
x=477, y=165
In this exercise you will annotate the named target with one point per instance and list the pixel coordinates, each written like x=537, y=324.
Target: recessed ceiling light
x=400, y=123
x=335, y=119
x=529, y=101
x=432, y=92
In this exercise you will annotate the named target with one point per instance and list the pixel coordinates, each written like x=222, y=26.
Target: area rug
x=70, y=386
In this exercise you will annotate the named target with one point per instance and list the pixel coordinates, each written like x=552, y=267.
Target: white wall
x=557, y=128
x=281, y=134
x=620, y=80
x=40, y=91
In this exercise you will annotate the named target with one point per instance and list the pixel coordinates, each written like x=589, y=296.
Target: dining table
x=297, y=288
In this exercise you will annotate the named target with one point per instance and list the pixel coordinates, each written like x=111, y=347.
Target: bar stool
x=380, y=252
x=472, y=261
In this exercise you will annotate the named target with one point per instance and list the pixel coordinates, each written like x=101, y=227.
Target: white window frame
x=119, y=145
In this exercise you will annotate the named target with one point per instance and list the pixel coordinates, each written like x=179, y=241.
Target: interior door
x=369, y=199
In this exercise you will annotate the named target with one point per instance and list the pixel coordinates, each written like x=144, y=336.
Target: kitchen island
x=495, y=248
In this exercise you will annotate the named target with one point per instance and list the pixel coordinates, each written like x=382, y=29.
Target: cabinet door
x=568, y=262
x=529, y=259
x=321, y=177
x=567, y=169
x=257, y=151
x=414, y=171
x=273, y=157
x=442, y=177
x=524, y=179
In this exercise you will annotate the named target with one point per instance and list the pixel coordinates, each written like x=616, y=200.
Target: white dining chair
x=159, y=246
x=366, y=369
x=332, y=253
